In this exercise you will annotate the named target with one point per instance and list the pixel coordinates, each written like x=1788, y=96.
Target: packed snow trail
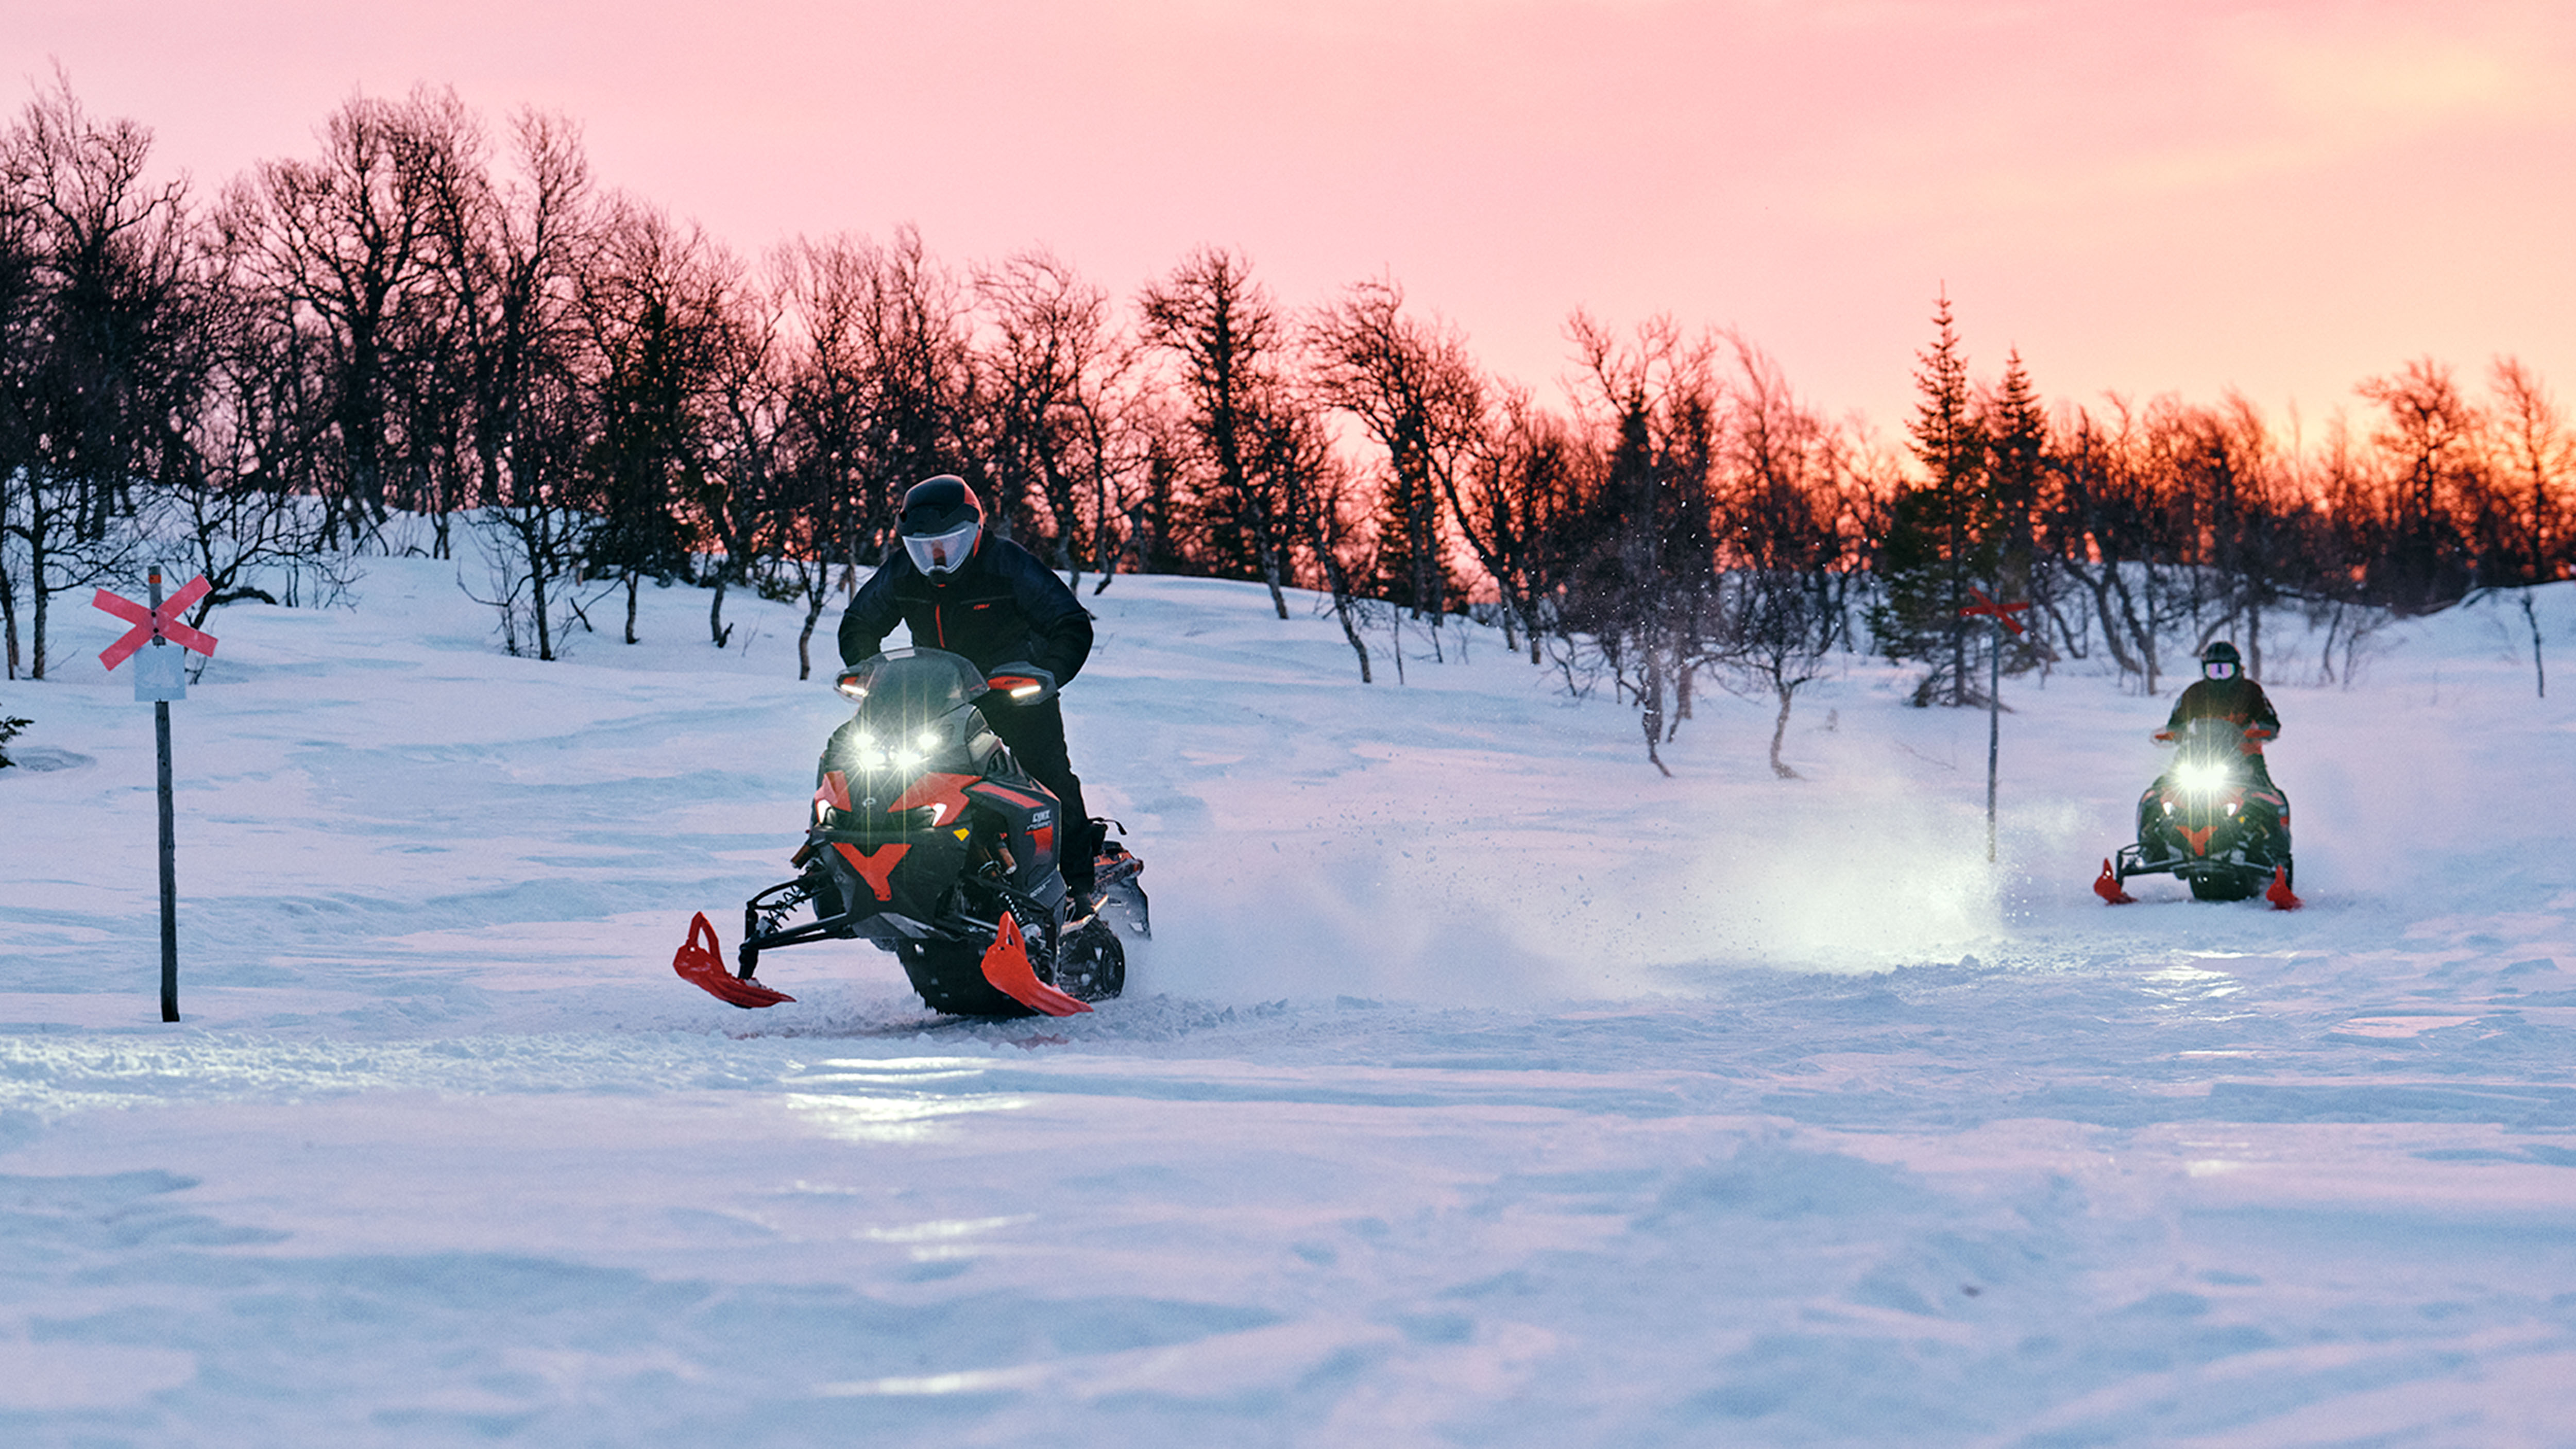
x=1480, y=1087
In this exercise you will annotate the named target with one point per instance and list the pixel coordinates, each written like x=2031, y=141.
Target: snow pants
x=1036, y=737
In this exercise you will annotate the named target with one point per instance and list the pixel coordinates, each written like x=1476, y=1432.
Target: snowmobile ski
x=2280, y=895
x=1007, y=966
x=2109, y=887
x=700, y=962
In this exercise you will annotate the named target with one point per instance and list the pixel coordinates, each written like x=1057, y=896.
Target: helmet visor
x=2220, y=669
x=940, y=553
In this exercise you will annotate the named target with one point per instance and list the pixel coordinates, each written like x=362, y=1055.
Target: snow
x=1481, y=1087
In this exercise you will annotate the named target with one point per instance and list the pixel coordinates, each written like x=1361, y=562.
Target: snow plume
x=1901, y=882
x=1438, y=871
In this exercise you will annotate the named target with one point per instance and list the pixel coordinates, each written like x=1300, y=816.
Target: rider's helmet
x=941, y=521
x=2221, y=661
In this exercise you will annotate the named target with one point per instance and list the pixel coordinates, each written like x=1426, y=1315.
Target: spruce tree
x=1941, y=534
x=2016, y=441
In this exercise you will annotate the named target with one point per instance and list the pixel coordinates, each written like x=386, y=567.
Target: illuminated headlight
x=866, y=753
x=2201, y=779
x=923, y=745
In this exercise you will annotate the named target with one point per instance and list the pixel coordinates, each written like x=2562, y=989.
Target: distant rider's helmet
x=2221, y=661
x=941, y=521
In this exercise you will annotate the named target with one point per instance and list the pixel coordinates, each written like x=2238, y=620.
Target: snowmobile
x=2214, y=818
x=927, y=839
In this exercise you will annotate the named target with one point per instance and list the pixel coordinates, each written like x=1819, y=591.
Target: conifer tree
x=1941, y=534
x=2015, y=433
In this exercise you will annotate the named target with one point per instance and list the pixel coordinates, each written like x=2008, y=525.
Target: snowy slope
x=1481, y=1087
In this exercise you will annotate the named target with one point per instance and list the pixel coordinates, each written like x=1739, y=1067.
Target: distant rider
x=987, y=598
x=2223, y=692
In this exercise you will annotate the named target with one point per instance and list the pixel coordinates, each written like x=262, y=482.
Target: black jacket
x=1000, y=607
x=2239, y=701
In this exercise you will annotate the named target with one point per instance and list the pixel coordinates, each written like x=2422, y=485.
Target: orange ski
x=1007, y=966
x=700, y=962
x=2108, y=887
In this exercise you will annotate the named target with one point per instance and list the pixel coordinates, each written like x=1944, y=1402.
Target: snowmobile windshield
x=913, y=712
x=912, y=686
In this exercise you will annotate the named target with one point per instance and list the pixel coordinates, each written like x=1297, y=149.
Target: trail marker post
x=2002, y=614
x=161, y=676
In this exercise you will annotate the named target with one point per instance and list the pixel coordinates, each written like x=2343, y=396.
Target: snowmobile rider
x=2223, y=692
x=989, y=599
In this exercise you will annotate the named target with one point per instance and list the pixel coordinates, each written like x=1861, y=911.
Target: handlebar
x=2257, y=733
x=1022, y=684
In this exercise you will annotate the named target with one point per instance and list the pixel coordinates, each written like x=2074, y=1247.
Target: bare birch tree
x=1226, y=340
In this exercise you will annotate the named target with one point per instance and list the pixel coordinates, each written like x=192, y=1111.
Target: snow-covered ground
x=1481, y=1087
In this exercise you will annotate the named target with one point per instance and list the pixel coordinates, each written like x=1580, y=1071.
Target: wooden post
x=169, y=839
x=157, y=627
x=1994, y=729
x=2002, y=613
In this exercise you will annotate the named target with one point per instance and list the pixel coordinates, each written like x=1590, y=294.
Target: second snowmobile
x=926, y=838
x=2213, y=818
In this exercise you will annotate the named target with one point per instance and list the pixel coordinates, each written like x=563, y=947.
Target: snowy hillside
x=1481, y=1087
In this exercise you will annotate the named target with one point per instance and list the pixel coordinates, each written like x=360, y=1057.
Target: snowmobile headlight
x=915, y=754
x=2201, y=779
x=865, y=753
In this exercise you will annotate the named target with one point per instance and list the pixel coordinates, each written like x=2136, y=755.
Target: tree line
x=575, y=394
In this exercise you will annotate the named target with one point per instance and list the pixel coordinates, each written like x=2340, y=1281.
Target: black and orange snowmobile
x=2213, y=818
x=927, y=839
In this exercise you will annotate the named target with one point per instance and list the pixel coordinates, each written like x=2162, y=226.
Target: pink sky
x=2140, y=196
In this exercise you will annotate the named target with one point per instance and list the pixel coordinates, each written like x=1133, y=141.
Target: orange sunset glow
x=2284, y=199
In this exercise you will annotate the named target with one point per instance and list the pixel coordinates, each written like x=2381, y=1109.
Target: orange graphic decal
x=936, y=789
x=1011, y=796
x=875, y=867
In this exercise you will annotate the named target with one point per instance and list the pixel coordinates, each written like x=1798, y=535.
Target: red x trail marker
x=2000, y=613
x=152, y=622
